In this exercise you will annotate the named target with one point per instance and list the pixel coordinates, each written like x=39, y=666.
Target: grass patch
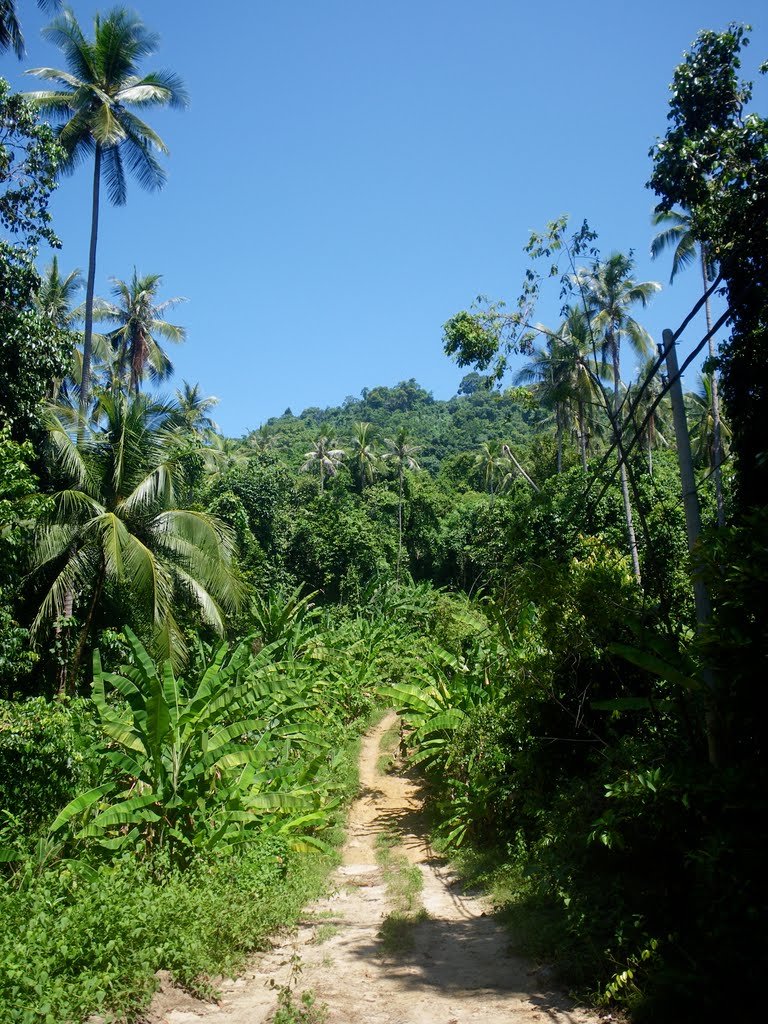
x=397, y=930
x=388, y=745
x=324, y=933
x=404, y=880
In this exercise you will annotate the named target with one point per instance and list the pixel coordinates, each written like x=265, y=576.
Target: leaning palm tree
x=100, y=85
x=325, y=458
x=140, y=320
x=609, y=292
x=116, y=522
x=492, y=462
x=677, y=234
x=11, y=37
x=364, y=457
x=403, y=454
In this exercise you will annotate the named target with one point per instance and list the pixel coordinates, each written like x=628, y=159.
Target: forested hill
x=443, y=430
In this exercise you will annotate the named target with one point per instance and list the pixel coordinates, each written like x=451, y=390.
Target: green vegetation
x=194, y=629
x=404, y=883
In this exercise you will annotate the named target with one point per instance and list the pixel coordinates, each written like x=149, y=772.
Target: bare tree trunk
x=717, y=444
x=508, y=452
x=693, y=530
x=62, y=634
x=85, y=380
x=614, y=343
x=399, y=526
x=77, y=655
x=582, y=437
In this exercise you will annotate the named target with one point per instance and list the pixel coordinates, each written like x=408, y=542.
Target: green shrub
x=45, y=758
x=70, y=946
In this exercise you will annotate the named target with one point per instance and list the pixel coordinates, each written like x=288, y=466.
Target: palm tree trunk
x=614, y=343
x=85, y=380
x=399, y=525
x=717, y=444
x=582, y=436
x=67, y=610
x=77, y=656
x=558, y=420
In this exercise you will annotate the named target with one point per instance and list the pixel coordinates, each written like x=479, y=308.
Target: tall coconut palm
x=100, y=85
x=140, y=323
x=677, y=234
x=364, y=457
x=116, y=521
x=610, y=291
x=11, y=37
x=325, y=458
x=403, y=454
x=548, y=370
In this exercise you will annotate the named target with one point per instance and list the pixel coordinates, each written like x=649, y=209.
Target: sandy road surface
x=457, y=970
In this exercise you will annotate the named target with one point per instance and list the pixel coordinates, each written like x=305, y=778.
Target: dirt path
x=456, y=969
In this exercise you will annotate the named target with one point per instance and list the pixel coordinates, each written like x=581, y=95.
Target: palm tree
x=491, y=461
x=192, y=410
x=564, y=379
x=263, y=439
x=642, y=400
x=55, y=296
x=324, y=457
x=54, y=300
x=678, y=235
x=10, y=29
x=364, y=456
x=140, y=319
x=609, y=292
x=100, y=84
x=705, y=452
x=225, y=455
x=116, y=521
x=403, y=454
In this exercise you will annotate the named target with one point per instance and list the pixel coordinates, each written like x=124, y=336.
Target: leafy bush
x=70, y=946
x=45, y=758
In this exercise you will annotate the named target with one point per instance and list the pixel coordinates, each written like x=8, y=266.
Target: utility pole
x=693, y=530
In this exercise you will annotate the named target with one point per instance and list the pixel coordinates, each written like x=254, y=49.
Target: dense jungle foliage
x=194, y=629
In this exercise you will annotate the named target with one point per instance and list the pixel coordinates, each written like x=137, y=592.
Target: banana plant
x=194, y=772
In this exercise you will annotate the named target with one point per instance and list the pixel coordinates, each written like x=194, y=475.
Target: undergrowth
x=72, y=946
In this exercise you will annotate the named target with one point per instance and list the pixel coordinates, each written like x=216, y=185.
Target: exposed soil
x=457, y=966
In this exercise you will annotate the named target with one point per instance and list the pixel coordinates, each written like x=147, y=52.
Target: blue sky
x=350, y=174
